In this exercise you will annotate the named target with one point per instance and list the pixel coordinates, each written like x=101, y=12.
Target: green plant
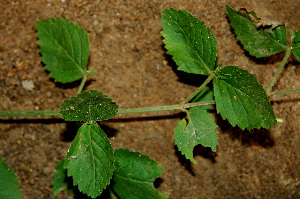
x=239, y=98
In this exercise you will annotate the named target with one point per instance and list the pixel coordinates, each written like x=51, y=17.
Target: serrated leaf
x=9, y=187
x=90, y=160
x=189, y=41
x=134, y=176
x=257, y=37
x=87, y=106
x=60, y=181
x=242, y=100
x=64, y=47
x=201, y=129
x=296, y=45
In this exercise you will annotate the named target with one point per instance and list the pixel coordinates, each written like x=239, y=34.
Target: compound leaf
x=87, y=106
x=242, y=100
x=64, y=47
x=189, y=41
x=90, y=160
x=9, y=187
x=134, y=176
x=296, y=45
x=201, y=129
x=261, y=38
x=60, y=181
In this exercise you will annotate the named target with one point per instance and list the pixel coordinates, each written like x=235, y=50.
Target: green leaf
x=189, y=41
x=60, y=181
x=201, y=129
x=242, y=100
x=64, y=47
x=90, y=160
x=260, y=38
x=87, y=106
x=9, y=187
x=296, y=45
x=134, y=176
x=206, y=94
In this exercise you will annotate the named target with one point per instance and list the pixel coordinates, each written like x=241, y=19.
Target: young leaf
x=90, y=160
x=64, y=47
x=296, y=45
x=59, y=181
x=242, y=100
x=134, y=176
x=87, y=106
x=9, y=187
x=257, y=37
x=189, y=41
x=201, y=129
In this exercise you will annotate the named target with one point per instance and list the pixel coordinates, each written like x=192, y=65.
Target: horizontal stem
x=296, y=90
x=120, y=111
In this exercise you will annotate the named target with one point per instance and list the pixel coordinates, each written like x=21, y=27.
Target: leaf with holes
x=90, y=160
x=9, y=187
x=189, y=41
x=261, y=37
x=242, y=100
x=65, y=49
x=88, y=106
x=134, y=176
x=201, y=129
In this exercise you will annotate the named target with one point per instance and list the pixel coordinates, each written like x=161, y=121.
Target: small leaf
x=205, y=95
x=87, y=106
x=189, y=41
x=296, y=45
x=90, y=160
x=64, y=47
x=201, y=129
x=242, y=100
x=261, y=39
x=60, y=181
x=9, y=187
x=134, y=176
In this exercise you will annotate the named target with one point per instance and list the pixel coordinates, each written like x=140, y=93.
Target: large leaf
x=242, y=100
x=64, y=47
x=90, y=160
x=261, y=39
x=201, y=129
x=9, y=187
x=87, y=106
x=296, y=45
x=189, y=41
x=60, y=180
x=134, y=176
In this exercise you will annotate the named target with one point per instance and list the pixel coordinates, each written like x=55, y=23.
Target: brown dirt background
x=133, y=68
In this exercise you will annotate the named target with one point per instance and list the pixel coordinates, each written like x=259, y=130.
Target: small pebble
x=27, y=84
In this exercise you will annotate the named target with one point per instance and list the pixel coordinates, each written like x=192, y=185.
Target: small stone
x=27, y=84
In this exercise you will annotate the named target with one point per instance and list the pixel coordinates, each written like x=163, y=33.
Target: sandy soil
x=133, y=68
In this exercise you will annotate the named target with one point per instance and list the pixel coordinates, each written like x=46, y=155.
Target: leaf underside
x=296, y=45
x=189, y=41
x=90, y=160
x=64, y=47
x=9, y=187
x=242, y=100
x=87, y=106
x=134, y=176
x=257, y=37
x=201, y=129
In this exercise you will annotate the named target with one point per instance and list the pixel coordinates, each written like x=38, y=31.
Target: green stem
x=296, y=90
x=210, y=77
x=120, y=111
x=82, y=84
x=286, y=56
x=29, y=113
x=111, y=195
